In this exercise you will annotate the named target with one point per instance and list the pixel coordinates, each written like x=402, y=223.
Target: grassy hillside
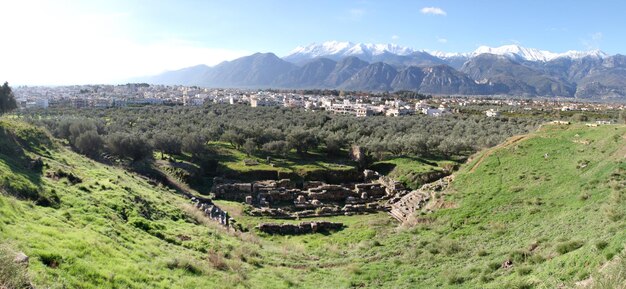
x=552, y=203
x=414, y=172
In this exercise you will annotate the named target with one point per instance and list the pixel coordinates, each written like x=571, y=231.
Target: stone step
x=407, y=205
x=397, y=215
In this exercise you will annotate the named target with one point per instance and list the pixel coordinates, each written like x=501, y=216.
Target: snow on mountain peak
x=343, y=49
x=529, y=54
x=532, y=54
x=349, y=48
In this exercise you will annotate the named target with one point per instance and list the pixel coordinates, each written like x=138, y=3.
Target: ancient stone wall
x=298, y=229
x=281, y=198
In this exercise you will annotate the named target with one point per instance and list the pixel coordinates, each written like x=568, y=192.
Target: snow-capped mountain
x=517, y=52
x=504, y=70
x=337, y=50
x=332, y=48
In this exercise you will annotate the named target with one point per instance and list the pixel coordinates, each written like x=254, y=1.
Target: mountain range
x=505, y=70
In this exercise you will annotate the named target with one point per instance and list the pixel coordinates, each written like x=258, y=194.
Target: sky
x=61, y=42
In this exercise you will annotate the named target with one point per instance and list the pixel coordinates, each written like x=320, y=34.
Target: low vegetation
x=513, y=218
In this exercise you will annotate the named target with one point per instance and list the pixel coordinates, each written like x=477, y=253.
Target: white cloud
x=433, y=11
x=56, y=46
x=596, y=36
x=593, y=41
x=356, y=14
x=442, y=40
x=395, y=37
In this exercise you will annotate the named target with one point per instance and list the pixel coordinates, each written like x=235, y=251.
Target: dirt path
x=507, y=143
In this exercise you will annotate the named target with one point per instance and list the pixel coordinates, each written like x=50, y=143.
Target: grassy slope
x=234, y=160
x=89, y=237
x=409, y=169
x=513, y=199
x=531, y=193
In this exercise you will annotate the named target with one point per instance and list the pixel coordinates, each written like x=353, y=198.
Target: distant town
x=358, y=104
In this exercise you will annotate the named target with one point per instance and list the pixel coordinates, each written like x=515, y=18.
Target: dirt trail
x=507, y=143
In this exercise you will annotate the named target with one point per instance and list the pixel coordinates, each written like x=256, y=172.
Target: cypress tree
x=7, y=99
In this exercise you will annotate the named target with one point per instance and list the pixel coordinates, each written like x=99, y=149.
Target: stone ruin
x=405, y=208
x=299, y=229
x=214, y=212
x=286, y=199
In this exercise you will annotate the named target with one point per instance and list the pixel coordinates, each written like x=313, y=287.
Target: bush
x=519, y=256
x=51, y=260
x=450, y=247
x=279, y=147
x=600, y=245
x=167, y=143
x=217, y=260
x=186, y=264
x=566, y=247
x=89, y=143
x=19, y=187
x=250, y=146
x=194, y=144
x=493, y=266
x=141, y=223
x=128, y=146
x=525, y=270
x=454, y=278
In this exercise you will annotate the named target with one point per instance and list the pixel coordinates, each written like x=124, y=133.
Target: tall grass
x=12, y=274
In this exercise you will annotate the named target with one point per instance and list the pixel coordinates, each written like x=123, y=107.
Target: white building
x=398, y=111
x=364, y=111
x=492, y=113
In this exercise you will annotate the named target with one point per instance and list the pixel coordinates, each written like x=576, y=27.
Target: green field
x=553, y=203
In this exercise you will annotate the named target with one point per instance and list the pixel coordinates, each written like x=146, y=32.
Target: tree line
x=135, y=132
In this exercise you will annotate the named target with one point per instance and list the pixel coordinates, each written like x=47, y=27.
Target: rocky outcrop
x=21, y=258
x=299, y=229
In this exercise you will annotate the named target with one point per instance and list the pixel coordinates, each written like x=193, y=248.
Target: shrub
x=128, y=146
x=520, y=256
x=19, y=189
x=186, y=264
x=450, y=247
x=566, y=247
x=454, y=277
x=525, y=270
x=600, y=245
x=216, y=260
x=89, y=143
x=493, y=266
x=51, y=260
x=485, y=278
x=140, y=223
x=279, y=147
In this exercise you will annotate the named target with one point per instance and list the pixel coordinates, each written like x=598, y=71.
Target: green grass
x=291, y=163
x=116, y=230
x=413, y=172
